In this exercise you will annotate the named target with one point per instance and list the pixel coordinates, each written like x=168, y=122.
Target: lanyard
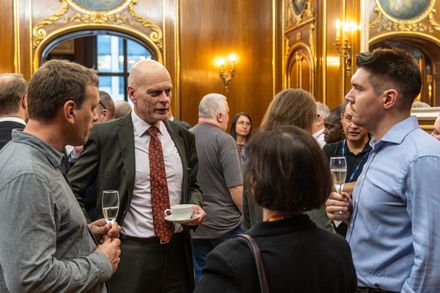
x=356, y=169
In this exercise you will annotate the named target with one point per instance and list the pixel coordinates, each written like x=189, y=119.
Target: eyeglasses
x=102, y=105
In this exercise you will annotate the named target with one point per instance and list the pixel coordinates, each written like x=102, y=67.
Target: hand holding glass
x=338, y=168
x=110, y=205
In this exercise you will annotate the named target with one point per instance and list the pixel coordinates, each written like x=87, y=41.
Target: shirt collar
x=398, y=132
x=13, y=119
x=140, y=126
x=318, y=133
x=54, y=157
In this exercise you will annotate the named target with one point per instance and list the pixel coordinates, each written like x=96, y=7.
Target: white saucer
x=170, y=218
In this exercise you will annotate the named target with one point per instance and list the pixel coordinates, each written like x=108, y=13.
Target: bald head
x=149, y=89
x=146, y=71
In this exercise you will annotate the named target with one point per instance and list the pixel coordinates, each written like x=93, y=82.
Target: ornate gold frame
x=412, y=20
x=294, y=20
x=111, y=11
x=385, y=36
x=96, y=20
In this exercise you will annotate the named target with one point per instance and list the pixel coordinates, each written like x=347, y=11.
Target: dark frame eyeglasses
x=102, y=105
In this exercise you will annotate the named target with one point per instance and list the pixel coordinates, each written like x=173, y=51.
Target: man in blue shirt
x=394, y=232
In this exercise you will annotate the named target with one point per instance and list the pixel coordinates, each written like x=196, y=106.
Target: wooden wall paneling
x=7, y=37
x=211, y=28
x=171, y=10
x=300, y=70
x=334, y=79
x=301, y=66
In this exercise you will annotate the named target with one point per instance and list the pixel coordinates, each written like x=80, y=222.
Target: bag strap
x=264, y=285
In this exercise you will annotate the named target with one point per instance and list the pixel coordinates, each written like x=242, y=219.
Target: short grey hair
x=211, y=105
x=322, y=110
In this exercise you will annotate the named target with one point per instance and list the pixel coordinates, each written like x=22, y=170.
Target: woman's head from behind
x=291, y=107
x=241, y=125
x=287, y=170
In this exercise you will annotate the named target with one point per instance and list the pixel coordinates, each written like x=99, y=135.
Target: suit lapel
x=126, y=145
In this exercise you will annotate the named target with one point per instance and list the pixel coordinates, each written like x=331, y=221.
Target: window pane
x=108, y=53
x=114, y=85
x=136, y=52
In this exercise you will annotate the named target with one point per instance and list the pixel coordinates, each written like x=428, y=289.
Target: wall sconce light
x=227, y=71
x=344, y=44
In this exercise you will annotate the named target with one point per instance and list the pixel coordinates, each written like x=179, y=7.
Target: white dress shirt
x=319, y=136
x=12, y=119
x=139, y=219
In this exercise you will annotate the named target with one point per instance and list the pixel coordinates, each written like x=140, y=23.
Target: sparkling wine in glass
x=110, y=205
x=338, y=168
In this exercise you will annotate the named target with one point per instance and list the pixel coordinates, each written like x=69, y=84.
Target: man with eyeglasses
x=134, y=155
x=354, y=148
x=105, y=110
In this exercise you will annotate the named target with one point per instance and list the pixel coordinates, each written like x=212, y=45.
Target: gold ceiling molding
x=156, y=34
x=38, y=31
x=97, y=18
x=87, y=6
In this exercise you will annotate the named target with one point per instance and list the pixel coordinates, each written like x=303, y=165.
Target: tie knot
x=153, y=131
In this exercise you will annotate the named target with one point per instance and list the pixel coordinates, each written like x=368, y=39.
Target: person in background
x=153, y=164
x=46, y=244
x=105, y=111
x=241, y=130
x=322, y=112
x=436, y=128
x=220, y=179
x=122, y=108
x=13, y=105
x=287, y=174
x=333, y=130
x=354, y=148
x=393, y=217
x=290, y=107
x=182, y=123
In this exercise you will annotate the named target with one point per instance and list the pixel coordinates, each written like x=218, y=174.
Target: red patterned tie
x=159, y=188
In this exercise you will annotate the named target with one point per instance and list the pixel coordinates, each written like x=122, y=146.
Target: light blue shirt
x=395, y=224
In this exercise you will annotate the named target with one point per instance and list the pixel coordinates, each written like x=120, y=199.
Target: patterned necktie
x=159, y=189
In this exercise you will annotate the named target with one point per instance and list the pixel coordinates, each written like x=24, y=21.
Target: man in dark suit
x=117, y=156
x=13, y=105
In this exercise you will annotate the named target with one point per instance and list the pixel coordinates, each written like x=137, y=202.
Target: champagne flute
x=338, y=168
x=110, y=205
